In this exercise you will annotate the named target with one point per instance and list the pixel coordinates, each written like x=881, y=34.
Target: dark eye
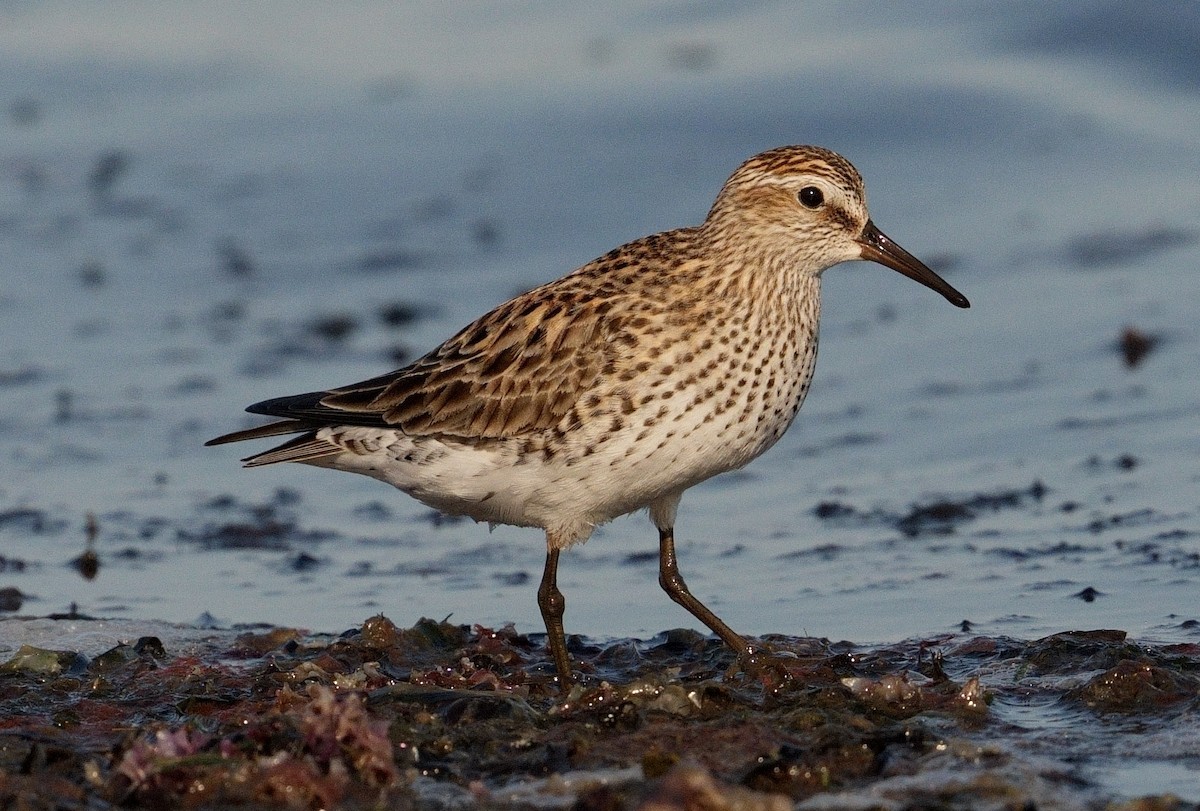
x=811, y=197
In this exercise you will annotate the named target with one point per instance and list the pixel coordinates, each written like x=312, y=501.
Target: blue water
x=185, y=189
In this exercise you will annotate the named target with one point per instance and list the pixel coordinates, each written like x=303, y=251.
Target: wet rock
x=87, y=564
x=8, y=564
x=833, y=509
x=21, y=376
x=304, y=562
x=43, y=663
x=400, y=314
x=895, y=693
x=262, y=535
x=150, y=646
x=799, y=772
x=28, y=519
x=1134, y=518
x=1126, y=462
x=11, y=597
x=481, y=707
x=938, y=517
x=1122, y=462
x=380, y=632
x=1135, y=686
x=258, y=644
x=335, y=327
x=941, y=517
x=681, y=640
x=253, y=526
x=1134, y=345
x=109, y=168
x=1078, y=650
x=147, y=649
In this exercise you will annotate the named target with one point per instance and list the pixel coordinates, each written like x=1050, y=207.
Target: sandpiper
x=660, y=364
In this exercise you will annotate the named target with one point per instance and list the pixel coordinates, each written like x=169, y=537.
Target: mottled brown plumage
x=660, y=364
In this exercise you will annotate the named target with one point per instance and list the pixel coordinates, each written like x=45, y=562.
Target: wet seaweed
x=414, y=716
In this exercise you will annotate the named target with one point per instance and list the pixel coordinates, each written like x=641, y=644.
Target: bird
x=615, y=388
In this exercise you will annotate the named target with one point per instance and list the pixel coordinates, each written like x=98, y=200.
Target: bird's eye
x=811, y=197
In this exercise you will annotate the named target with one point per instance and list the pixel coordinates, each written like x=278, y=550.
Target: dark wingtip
x=311, y=410
x=290, y=406
x=262, y=431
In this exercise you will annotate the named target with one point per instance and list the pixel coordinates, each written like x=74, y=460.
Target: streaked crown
x=805, y=198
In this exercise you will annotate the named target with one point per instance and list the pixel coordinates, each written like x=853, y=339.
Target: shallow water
x=195, y=216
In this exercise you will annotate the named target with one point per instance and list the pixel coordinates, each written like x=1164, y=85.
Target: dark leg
x=672, y=583
x=552, y=604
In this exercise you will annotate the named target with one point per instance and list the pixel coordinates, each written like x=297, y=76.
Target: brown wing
x=517, y=370
x=521, y=368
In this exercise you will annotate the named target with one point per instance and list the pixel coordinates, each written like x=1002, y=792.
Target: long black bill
x=876, y=247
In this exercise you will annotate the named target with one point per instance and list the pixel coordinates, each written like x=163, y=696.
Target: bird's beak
x=876, y=247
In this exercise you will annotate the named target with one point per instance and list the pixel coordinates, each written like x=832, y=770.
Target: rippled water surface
x=204, y=205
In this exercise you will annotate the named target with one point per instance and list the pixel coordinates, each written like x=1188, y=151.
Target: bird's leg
x=672, y=583
x=552, y=604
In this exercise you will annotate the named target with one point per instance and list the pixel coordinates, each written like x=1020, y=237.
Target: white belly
x=635, y=446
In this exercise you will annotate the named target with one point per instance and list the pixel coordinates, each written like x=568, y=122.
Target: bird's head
x=811, y=204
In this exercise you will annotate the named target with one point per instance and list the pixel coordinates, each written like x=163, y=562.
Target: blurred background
x=203, y=205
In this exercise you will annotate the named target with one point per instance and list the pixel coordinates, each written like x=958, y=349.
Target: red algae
x=441, y=713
